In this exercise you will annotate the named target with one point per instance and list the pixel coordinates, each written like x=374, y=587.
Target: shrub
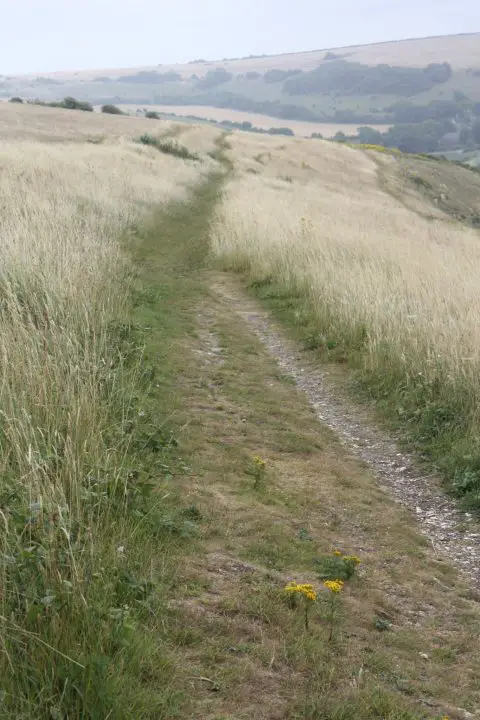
x=276, y=75
x=70, y=103
x=112, y=110
x=151, y=77
x=152, y=115
x=16, y=100
x=168, y=147
x=280, y=131
x=214, y=78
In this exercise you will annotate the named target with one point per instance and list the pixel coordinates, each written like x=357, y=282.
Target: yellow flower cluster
x=259, y=462
x=335, y=586
x=377, y=148
x=338, y=553
x=352, y=558
x=306, y=590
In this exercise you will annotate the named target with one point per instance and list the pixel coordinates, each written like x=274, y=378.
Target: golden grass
x=64, y=209
x=23, y=122
x=65, y=289
x=313, y=216
x=39, y=123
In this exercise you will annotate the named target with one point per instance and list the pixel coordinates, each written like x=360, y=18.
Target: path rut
x=453, y=534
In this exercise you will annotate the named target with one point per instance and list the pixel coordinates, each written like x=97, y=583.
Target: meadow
x=389, y=284
x=74, y=191
x=179, y=535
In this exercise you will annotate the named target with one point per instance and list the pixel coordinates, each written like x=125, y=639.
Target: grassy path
x=404, y=644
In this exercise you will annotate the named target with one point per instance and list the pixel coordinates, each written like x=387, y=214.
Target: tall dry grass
x=375, y=277
x=62, y=282
x=65, y=393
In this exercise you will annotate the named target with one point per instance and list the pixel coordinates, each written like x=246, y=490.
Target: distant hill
x=429, y=80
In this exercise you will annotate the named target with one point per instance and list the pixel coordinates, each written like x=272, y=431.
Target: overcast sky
x=50, y=35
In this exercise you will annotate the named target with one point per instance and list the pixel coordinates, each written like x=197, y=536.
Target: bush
x=16, y=100
x=152, y=115
x=214, y=78
x=70, y=103
x=280, y=131
x=276, y=76
x=168, y=147
x=112, y=110
x=151, y=77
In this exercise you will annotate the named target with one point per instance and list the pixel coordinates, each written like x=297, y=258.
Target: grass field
x=69, y=408
x=380, y=275
x=162, y=481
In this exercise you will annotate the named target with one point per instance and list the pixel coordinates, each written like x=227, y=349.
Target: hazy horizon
x=88, y=34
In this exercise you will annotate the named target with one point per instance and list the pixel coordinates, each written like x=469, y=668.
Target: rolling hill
x=417, y=81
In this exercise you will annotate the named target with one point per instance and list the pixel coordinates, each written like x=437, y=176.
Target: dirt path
x=452, y=533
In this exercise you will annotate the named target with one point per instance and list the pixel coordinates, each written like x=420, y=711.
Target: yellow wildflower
x=259, y=462
x=338, y=553
x=353, y=559
x=335, y=586
x=306, y=590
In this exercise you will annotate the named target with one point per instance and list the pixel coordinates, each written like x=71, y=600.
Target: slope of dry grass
x=390, y=285
x=68, y=396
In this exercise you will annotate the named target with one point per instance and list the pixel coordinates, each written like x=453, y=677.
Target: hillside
x=431, y=80
x=223, y=357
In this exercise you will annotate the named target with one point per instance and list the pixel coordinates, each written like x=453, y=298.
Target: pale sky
x=48, y=35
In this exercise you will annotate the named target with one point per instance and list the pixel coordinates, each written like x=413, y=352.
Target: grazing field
x=384, y=277
x=305, y=129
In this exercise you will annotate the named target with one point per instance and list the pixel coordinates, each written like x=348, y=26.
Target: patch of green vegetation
x=168, y=147
x=112, y=110
x=68, y=103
